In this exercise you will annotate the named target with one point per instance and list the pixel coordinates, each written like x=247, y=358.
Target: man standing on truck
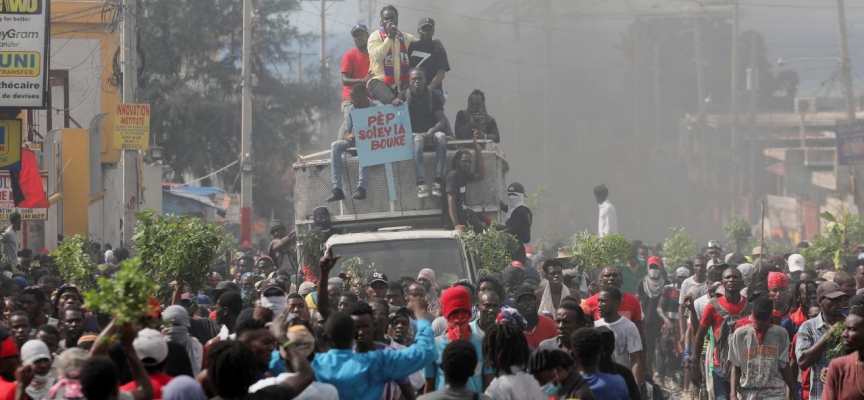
x=426, y=109
x=355, y=69
x=454, y=211
x=518, y=222
x=280, y=247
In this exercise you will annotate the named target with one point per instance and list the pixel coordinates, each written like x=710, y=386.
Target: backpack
x=721, y=343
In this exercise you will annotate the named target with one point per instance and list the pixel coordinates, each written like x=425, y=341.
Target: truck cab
x=404, y=236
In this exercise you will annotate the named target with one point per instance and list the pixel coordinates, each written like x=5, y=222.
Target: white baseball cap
x=150, y=344
x=796, y=262
x=34, y=350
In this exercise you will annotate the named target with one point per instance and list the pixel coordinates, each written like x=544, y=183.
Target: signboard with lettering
x=850, y=142
x=24, y=40
x=132, y=126
x=383, y=136
x=7, y=203
x=10, y=144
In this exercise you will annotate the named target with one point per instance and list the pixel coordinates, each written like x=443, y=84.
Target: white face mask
x=654, y=273
x=277, y=304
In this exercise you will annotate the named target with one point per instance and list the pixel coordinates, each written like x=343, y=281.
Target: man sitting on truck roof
x=454, y=211
x=338, y=148
x=426, y=109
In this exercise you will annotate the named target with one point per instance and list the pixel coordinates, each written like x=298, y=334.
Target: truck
x=404, y=236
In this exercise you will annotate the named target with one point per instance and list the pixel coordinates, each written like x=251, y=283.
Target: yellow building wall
x=82, y=19
x=76, y=181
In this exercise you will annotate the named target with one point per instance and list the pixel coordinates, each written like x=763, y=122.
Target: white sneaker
x=436, y=189
x=422, y=191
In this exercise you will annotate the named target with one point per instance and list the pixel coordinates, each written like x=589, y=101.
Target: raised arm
x=328, y=261
x=377, y=47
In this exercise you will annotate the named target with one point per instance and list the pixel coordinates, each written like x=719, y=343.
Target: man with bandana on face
x=518, y=219
x=427, y=279
x=456, y=307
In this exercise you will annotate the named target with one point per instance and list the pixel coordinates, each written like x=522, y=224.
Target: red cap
x=155, y=308
x=455, y=299
x=654, y=260
x=517, y=264
x=8, y=348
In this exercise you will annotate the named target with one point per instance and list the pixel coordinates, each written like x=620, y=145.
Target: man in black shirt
x=475, y=121
x=519, y=219
x=426, y=110
x=454, y=211
x=428, y=56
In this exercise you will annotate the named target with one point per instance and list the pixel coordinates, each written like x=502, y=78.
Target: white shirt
x=315, y=391
x=627, y=339
x=518, y=385
x=10, y=245
x=689, y=286
x=608, y=222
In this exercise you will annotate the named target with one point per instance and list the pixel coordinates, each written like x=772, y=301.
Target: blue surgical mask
x=551, y=389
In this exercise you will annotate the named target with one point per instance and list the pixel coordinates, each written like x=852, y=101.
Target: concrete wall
x=76, y=181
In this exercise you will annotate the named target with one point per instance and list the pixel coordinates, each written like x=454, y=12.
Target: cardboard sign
x=132, y=126
x=10, y=144
x=24, y=38
x=383, y=134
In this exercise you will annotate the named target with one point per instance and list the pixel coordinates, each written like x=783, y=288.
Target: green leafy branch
x=178, y=249
x=738, y=232
x=358, y=273
x=493, y=249
x=126, y=296
x=592, y=251
x=678, y=248
x=75, y=264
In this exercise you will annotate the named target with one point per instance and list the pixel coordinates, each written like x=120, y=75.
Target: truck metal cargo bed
x=313, y=186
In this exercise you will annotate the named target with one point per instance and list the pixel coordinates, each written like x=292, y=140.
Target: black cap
x=524, y=290
x=378, y=277
x=397, y=311
x=359, y=27
x=426, y=21
x=856, y=300
x=516, y=187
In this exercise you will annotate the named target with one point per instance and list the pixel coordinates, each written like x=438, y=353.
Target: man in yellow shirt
x=388, y=58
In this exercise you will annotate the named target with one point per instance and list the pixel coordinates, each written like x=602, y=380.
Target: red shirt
x=545, y=329
x=157, y=380
x=7, y=389
x=629, y=307
x=356, y=64
x=712, y=319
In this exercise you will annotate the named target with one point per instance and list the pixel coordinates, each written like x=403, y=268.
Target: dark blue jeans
x=721, y=384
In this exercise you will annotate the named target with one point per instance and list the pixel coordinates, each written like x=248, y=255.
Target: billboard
x=7, y=203
x=850, y=142
x=24, y=56
x=10, y=143
x=132, y=126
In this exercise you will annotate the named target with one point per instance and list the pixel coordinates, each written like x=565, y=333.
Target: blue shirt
x=607, y=386
x=363, y=375
x=349, y=124
x=808, y=334
x=475, y=383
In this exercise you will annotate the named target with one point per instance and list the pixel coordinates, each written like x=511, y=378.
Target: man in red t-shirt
x=355, y=69
x=539, y=327
x=10, y=358
x=734, y=304
x=629, y=308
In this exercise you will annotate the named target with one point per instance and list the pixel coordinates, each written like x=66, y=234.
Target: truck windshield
x=407, y=257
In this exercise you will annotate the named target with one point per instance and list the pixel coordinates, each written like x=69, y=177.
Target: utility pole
x=700, y=84
x=300, y=55
x=845, y=65
x=734, y=89
x=129, y=158
x=325, y=78
x=246, y=129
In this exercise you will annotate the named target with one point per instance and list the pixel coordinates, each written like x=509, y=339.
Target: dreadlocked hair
x=391, y=8
x=231, y=366
x=796, y=293
x=505, y=346
x=756, y=290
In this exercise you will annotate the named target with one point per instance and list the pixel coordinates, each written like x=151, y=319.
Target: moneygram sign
x=24, y=40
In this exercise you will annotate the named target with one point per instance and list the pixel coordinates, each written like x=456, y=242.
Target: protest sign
x=383, y=136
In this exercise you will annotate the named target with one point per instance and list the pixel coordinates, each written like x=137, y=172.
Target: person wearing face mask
x=650, y=291
x=518, y=219
x=426, y=277
x=555, y=371
x=35, y=354
x=273, y=296
x=175, y=326
x=321, y=216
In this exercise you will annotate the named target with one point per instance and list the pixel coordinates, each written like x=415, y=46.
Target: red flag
x=27, y=189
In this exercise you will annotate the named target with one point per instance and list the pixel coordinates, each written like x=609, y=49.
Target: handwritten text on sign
x=380, y=134
x=132, y=126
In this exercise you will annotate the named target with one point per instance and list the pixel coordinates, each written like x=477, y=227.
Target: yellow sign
x=20, y=6
x=19, y=63
x=10, y=144
x=132, y=126
x=7, y=203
